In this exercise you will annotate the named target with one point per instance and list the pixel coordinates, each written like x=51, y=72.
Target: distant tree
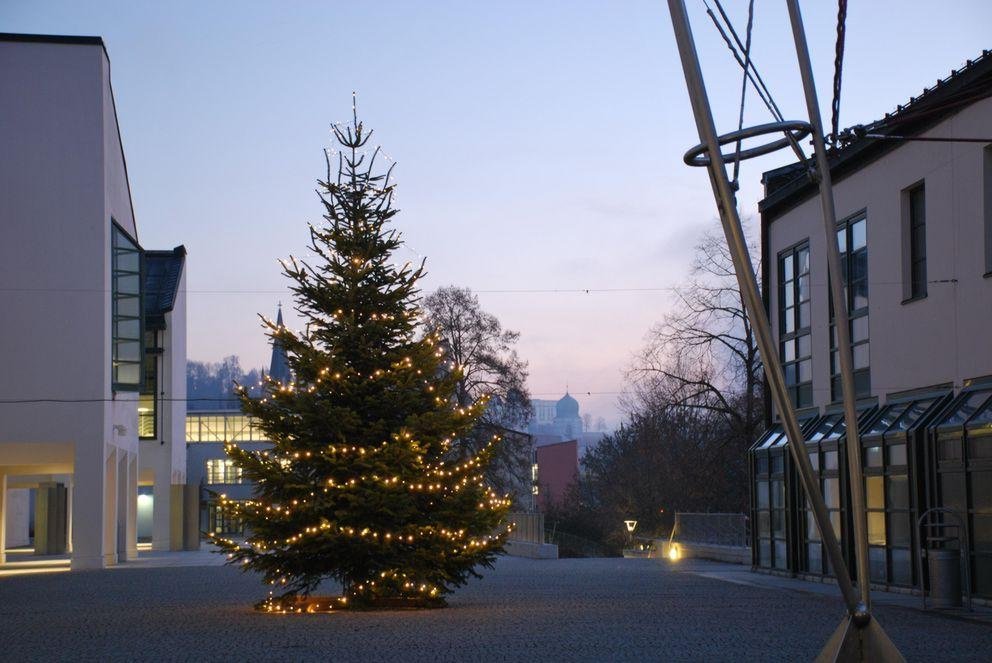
x=587, y=422
x=211, y=385
x=363, y=483
x=600, y=424
x=477, y=344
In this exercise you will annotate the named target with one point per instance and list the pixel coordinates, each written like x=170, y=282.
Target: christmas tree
x=364, y=483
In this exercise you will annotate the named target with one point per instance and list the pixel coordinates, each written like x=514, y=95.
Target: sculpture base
x=852, y=642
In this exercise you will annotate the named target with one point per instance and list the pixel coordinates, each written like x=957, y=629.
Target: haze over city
x=539, y=146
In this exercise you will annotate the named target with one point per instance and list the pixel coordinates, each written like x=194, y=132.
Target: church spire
x=279, y=367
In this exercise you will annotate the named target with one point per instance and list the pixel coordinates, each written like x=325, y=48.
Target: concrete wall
x=943, y=338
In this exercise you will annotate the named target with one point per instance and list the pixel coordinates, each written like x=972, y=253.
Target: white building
x=86, y=346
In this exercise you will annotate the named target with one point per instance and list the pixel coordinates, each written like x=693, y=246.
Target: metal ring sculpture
x=796, y=129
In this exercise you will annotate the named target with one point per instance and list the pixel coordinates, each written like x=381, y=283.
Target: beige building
x=913, y=194
x=93, y=343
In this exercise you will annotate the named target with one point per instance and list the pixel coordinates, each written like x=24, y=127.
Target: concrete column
x=89, y=507
x=127, y=524
x=110, y=524
x=3, y=518
x=176, y=516
x=68, y=513
x=191, y=504
x=132, y=506
x=162, y=509
x=50, y=519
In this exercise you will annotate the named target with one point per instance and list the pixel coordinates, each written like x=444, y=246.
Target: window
x=221, y=522
x=127, y=355
x=223, y=470
x=795, y=346
x=915, y=226
x=852, y=238
x=148, y=397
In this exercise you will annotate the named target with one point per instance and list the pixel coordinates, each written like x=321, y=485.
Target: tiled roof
x=163, y=270
x=788, y=185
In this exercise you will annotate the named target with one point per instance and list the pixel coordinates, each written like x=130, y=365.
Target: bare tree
x=704, y=355
x=476, y=341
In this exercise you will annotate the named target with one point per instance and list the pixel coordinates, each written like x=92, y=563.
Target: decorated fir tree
x=364, y=483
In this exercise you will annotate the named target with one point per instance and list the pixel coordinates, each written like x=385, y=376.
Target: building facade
x=73, y=397
x=913, y=193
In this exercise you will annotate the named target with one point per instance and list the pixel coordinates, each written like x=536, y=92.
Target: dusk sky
x=539, y=145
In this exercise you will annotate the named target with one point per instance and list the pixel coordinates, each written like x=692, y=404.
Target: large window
x=127, y=354
x=916, y=241
x=148, y=397
x=223, y=470
x=852, y=236
x=794, y=323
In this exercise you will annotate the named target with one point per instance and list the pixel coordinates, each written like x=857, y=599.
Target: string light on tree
x=363, y=484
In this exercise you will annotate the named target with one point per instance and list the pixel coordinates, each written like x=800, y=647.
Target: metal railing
x=720, y=529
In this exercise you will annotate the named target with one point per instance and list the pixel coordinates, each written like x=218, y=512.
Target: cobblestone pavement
x=524, y=610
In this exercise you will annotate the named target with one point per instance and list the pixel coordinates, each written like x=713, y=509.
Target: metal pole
x=727, y=205
x=841, y=318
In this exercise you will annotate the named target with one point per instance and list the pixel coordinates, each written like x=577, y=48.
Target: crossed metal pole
x=859, y=637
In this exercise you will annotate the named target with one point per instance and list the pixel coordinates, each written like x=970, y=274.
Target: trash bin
x=945, y=578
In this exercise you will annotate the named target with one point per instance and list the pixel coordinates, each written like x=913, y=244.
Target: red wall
x=557, y=468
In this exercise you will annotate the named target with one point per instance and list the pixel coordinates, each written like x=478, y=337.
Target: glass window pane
x=902, y=566
x=967, y=408
x=780, y=556
x=859, y=237
x=981, y=491
x=126, y=260
x=830, y=460
x=873, y=457
x=835, y=522
x=762, y=495
x=812, y=531
x=805, y=345
x=876, y=564
x=803, y=285
x=875, y=492
x=899, y=529
x=859, y=329
x=778, y=523
x=778, y=494
x=127, y=374
x=129, y=306
x=842, y=239
x=787, y=273
x=802, y=258
x=764, y=524
x=897, y=487
x=897, y=454
x=952, y=490
x=814, y=554
x=789, y=351
x=831, y=494
x=814, y=460
x=804, y=313
x=876, y=528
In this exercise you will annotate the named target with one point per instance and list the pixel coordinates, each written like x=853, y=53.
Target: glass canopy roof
x=970, y=406
x=901, y=416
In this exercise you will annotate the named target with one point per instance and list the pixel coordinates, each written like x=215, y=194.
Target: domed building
x=567, y=420
x=556, y=418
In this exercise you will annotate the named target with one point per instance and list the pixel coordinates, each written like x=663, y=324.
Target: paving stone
x=524, y=610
